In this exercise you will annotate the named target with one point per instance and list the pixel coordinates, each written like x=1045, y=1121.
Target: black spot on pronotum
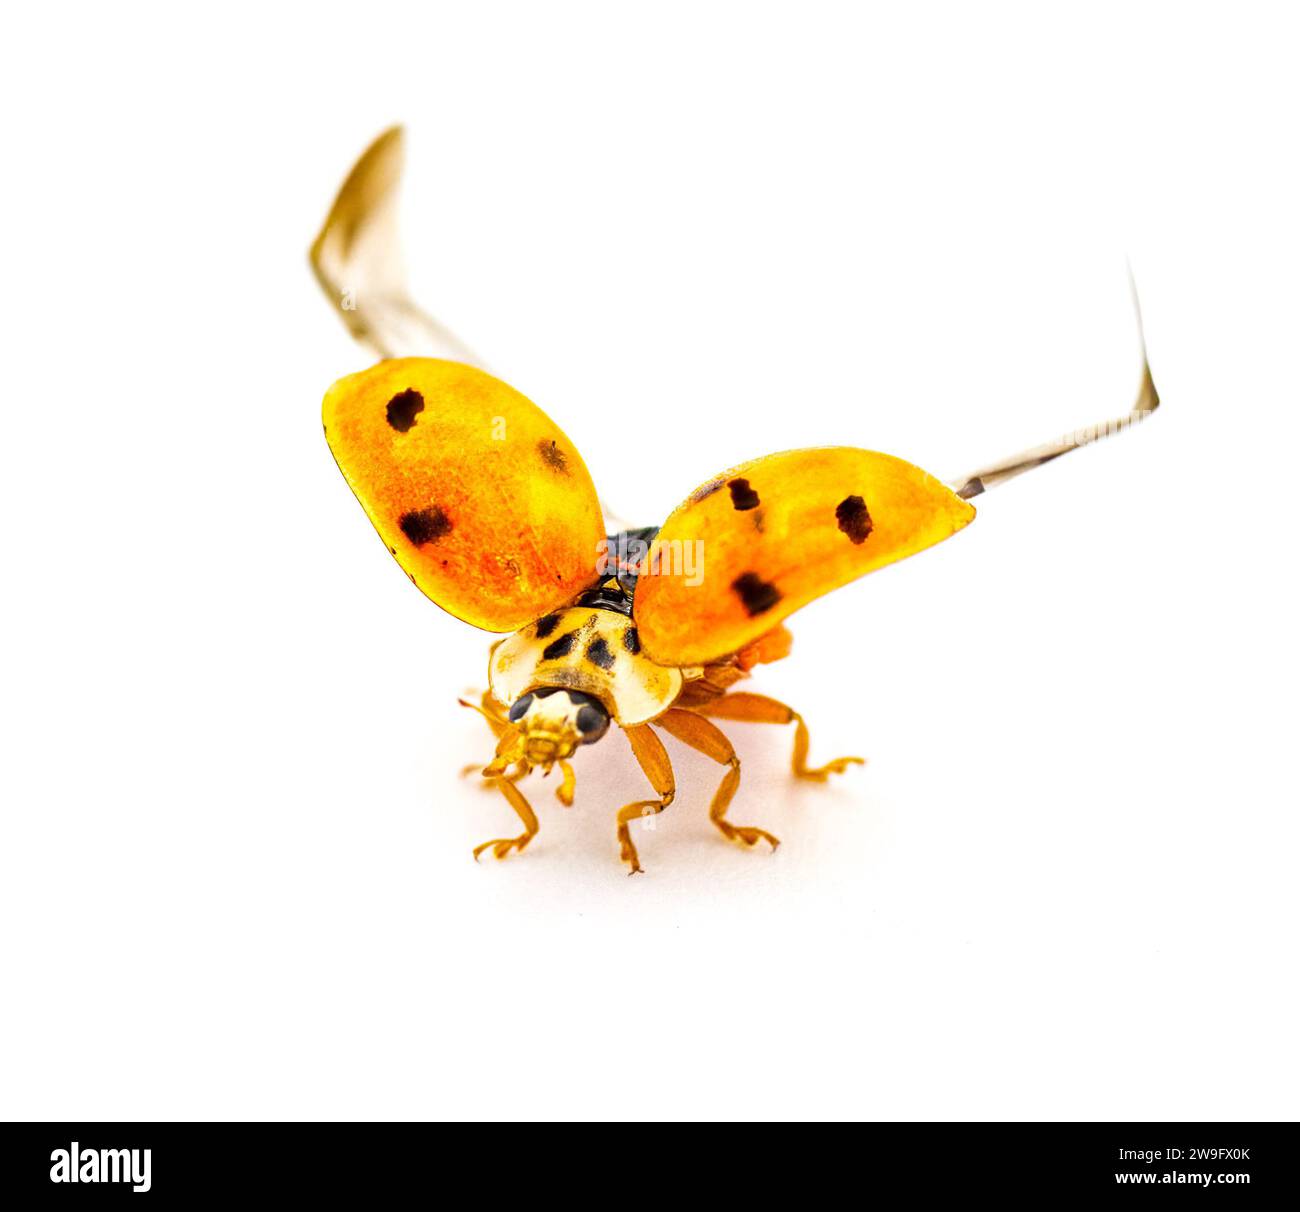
x=546, y=625
x=756, y=594
x=598, y=653
x=520, y=708
x=552, y=455
x=423, y=526
x=706, y=490
x=742, y=495
x=403, y=408
x=559, y=648
x=632, y=641
x=853, y=518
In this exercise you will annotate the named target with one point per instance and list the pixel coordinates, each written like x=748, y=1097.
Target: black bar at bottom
x=371, y=1163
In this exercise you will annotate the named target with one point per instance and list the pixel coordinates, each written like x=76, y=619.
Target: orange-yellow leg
x=653, y=758
x=513, y=777
x=564, y=792
x=502, y=846
x=697, y=732
x=759, y=709
x=490, y=710
x=499, y=722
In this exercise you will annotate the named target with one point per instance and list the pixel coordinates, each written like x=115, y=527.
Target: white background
x=234, y=871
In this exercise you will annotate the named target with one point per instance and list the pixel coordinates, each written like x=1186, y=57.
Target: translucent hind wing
x=357, y=260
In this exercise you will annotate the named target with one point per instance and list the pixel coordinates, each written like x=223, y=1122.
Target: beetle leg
x=497, y=721
x=697, y=732
x=653, y=758
x=514, y=776
x=490, y=710
x=564, y=792
x=759, y=709
x=502, y=846
x=494, y=722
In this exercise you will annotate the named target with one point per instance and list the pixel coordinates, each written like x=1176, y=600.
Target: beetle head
x=554, y=722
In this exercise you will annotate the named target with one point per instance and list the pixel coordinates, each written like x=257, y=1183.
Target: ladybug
x=491, y=512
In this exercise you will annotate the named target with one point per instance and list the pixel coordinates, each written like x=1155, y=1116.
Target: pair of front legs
x=689, y=726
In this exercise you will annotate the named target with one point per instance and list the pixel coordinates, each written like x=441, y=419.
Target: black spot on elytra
x=423, y=526
x=552, y=455
x=402, y=409
x=632, y=641
x=559, y=648
x=706, y=490
x=598, y=653
x=546, y=625
x=853, y=518
x=756, y=594
x=742, y=495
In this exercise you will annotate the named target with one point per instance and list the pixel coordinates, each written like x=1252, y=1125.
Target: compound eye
x=592, y=722
x=520, y=708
